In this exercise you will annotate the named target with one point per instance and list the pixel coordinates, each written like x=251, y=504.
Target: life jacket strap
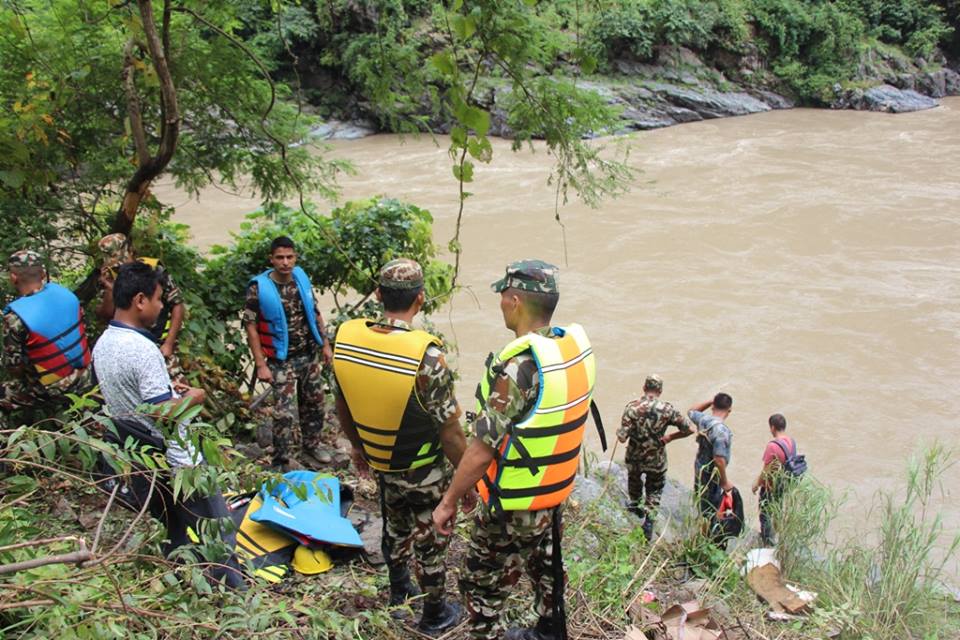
x=595, y=412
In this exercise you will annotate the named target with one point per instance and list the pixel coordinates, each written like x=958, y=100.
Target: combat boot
x=543, y=631
x=647, y=527
x=439, y=617
x=402, y=587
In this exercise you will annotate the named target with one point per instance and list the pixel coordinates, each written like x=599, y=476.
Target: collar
x=394, y=322
x=143, y=332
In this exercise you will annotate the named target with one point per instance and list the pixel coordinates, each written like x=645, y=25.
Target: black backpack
x=794, y=464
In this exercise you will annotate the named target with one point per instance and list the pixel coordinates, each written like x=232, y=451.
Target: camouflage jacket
x=298, y=330
x=434, y=383
x=513, y=395
x=644, y=422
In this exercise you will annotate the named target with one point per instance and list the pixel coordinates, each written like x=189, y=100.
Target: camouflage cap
x=653, y=383
x=25, y=258
x=529, y=275
x=115, y=249
x=401, y=273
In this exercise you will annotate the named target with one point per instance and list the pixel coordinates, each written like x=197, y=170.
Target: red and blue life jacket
x=56, y=341
x=272, y=323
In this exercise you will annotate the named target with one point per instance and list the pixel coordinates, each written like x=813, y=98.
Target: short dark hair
x=778, y=422
x=134, y=278
x=33, y=273
x=398, y=299
x=722, y=401
x=542, y=305
x=282, y=242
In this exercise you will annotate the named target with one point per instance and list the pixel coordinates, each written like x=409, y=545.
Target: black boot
x=647, y=527
x=543, y=631
x=402, y=587
x=439, y=617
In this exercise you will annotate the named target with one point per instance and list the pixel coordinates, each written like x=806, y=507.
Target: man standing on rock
x=44, y=340
x=534, y=401
x=710, y=480
x=645, y=423
x=285, y=331
x=396, y=404
x=116, y=250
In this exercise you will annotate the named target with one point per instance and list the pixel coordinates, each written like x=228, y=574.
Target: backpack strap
x=595, y=412
x=786, y=454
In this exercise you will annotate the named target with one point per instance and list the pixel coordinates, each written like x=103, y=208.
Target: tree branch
x=134, y=112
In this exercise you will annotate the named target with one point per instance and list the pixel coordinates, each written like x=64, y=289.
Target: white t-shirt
x=132, y=372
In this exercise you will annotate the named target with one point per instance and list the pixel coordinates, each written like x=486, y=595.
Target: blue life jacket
x=272, y=324
x=56, y=340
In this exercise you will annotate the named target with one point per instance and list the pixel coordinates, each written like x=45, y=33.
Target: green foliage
x=885, y=576
x=127, y=589
x=66, y=143
x=342, y=253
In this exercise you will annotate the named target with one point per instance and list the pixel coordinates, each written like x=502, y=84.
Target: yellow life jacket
x=267, y=551
x=377, y=374
x=538, y=461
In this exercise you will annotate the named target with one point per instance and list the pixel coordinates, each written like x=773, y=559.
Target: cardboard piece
x=690, y=621
x=633, y=633
x=767, y=582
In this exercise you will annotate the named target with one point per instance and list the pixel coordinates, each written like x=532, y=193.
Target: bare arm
x=452, y=439
x=105, y=308
x=345, y=418
x=702, y=406
x=259, y=360
x=476, y=458
x=176, y=323
x=721, y=466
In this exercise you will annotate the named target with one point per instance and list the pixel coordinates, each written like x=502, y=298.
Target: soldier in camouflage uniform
x=294, y=368
x=115, y=250
x=503, y=544
x=407, y=498
x=644, y=425
x=29, y=389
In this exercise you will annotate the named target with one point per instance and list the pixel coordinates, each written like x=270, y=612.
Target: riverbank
x=883, y=584
x=678, y=86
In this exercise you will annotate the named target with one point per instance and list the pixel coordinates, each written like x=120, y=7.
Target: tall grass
x=885, y=580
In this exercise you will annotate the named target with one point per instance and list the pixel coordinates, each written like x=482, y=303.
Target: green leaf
x=13, y=179
x=477, y=119
x=463, y=172
x=480, y=149
x=464, y=26
x=458, y=136
x=457, y=5
x=444, y=63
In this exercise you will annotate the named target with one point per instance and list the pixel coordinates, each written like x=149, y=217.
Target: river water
x=807, y=262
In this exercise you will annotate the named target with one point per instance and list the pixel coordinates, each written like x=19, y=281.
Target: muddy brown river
x=806, y=262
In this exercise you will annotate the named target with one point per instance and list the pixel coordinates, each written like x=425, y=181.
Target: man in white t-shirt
x=135, y=384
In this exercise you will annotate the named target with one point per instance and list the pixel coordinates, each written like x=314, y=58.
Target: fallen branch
x=75, y=557
x=25, y=603
x=37, y=543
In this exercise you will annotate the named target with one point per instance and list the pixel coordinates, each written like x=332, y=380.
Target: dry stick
x=106, y=510
x=25, y=603
x=37, y=543
x=126, y=534
x=75, y=557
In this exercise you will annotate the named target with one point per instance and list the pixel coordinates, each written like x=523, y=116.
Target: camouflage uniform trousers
x=498, y=551
x=645, y=487
x=407, y=501
x=20, y=395
x=298, y=405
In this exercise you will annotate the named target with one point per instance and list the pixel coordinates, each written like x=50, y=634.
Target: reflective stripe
x=537, y=464
x=375, y=365
x=376, y=371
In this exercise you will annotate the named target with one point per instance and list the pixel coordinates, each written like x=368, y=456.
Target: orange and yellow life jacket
x=56, y=340
x=377, y=373
x=537, y=463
